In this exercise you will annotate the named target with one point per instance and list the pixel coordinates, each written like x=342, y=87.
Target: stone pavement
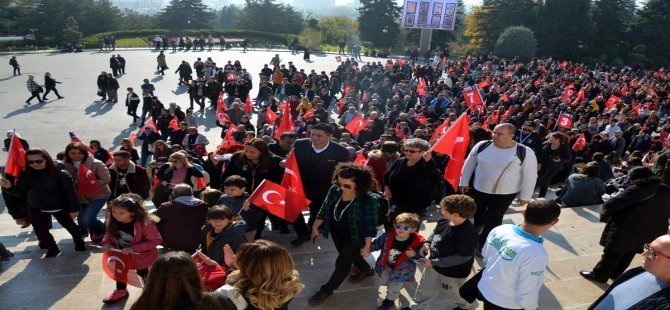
x=76, y=281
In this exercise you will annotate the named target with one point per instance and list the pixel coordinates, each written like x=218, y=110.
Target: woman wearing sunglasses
x=178, y=170
x=349, y=215
x=49, y=192
x=408, y=182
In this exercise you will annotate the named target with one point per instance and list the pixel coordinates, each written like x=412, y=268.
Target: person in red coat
x=380, y=160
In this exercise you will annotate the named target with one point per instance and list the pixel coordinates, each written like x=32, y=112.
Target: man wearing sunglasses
x=528, y=137
x=646, y=287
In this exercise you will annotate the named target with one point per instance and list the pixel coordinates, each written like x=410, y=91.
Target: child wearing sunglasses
x=452, y=249
x=396, y=264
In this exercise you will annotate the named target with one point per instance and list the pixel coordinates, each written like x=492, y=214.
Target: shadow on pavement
x=25, y=109
x=57, y=277
x=98, y=108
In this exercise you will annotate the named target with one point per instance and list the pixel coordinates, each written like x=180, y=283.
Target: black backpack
x=520, y=150
x=384, y=209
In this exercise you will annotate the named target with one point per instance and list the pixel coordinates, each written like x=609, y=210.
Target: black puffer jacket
x=232, y=236
x=47, y=193
x=635, y=216
x=657, y=301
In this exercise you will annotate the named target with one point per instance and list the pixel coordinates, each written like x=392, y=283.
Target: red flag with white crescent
x=120, y=267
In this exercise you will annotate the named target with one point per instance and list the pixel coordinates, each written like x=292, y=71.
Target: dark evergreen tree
x=377, y=22
x=611, y=23
x=185, y=14
x=563, y=26
x=227, y=16
x=266, y=15
x=497, y=15
x=651, y=29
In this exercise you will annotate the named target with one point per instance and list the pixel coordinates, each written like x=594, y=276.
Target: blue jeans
x=145, y=157
x=88, y=216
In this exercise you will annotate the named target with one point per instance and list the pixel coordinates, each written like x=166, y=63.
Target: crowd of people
x=363, y=137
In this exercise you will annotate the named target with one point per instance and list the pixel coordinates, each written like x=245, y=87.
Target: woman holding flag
x=91, y=179
x=48, y=192
x=256, y=163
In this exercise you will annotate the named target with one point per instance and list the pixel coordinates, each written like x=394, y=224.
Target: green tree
x=337, y=28
x=651, y=28
x=378, y=22
x=185, y=14
x=566, y=25
x=135, y=20
x=227, y=16
x=497, y=15
x=516, y=41
x=266, y=15
x=611, y=23
x=71, y=33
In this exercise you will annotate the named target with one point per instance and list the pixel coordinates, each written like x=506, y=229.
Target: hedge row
x=252, y=36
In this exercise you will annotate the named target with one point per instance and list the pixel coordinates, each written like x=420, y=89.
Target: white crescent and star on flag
x=267, y=194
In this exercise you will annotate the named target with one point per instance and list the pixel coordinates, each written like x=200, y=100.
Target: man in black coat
x=317, y=158
x=634, y=216
x=646, y=287
x=132, y=102
x=528, y=137
x=127, y=177
x=8, y=141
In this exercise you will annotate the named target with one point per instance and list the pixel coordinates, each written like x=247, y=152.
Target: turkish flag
x=421, y=88
x=420, y=118
x=212, y=276
x=504, y=97
x=346, y=90
x=340, y=106
x=565, y=121
x=652, y=92
x=133, y=138
x=270, y=116
x=16, y=159
x=174, y=123
x=74, y=138
x=484, y=83
x=282, y=105
x=454, y=143
x=365, y=96
x=221, y=102
x=508, y=74
x=564, y=64
x=613, y=100
x=389, y=63
x=567, y=94
x=508, y=113
x=496, y=116
x=228, y=140
x=292, y=181
x=308, y=114
x=444, y=60
x=271, y=197
x=401, y=62
x=286, y=124
x=624, y=90
x=247, y=105
x=580, y=97
x=536, y=83
x=580, y=143
x=87, y=182
x=356, y=125
x=338, y=58
x=360, y=159
x=439, y=131
x=151, y=123
x=120, y=267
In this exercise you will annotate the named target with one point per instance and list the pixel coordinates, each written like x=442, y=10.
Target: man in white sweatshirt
x=502, y=169
x=515, y=260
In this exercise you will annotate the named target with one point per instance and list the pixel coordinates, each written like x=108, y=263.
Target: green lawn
x=131, y=42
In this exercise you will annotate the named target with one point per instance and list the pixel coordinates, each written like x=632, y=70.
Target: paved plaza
x=75, y=280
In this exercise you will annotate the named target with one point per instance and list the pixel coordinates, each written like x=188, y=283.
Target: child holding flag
x=132, y=230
